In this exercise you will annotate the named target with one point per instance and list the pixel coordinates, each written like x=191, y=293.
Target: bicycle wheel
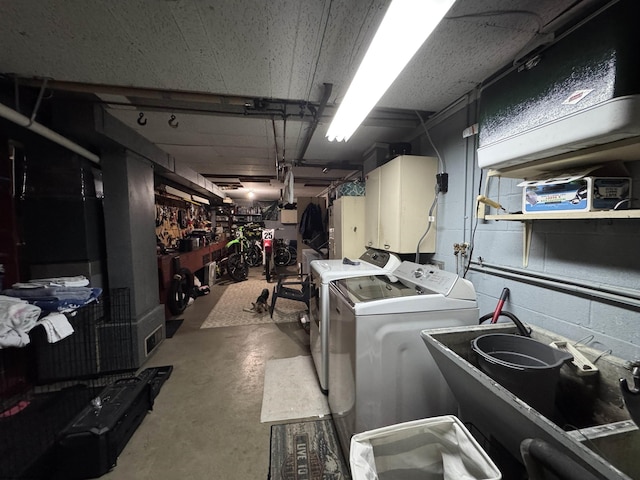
x=237, y=267
x=294, y=254
x=180, y=291
x=281, y=256
x=254, y=256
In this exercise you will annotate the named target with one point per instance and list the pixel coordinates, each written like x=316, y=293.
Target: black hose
x=524, y=331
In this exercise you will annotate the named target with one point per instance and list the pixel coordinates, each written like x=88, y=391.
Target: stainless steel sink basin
x=590, y=424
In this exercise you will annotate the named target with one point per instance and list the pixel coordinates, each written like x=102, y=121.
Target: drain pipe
x=26, y=122
x=618, y=295
x=328, y=87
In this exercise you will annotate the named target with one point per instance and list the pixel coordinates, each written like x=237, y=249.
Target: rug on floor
x=234, y=306
x=172, y=326
x=306, y=450
x=292, y=391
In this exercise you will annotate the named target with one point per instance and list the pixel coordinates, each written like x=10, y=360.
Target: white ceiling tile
x=277, y=49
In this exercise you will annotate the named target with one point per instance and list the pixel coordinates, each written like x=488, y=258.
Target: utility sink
x=590, y=423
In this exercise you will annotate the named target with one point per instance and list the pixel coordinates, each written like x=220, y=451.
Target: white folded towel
x=17, y=318
x=57, y=327
x=77, y=281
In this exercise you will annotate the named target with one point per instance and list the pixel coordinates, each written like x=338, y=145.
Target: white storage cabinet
x=348, y=227
x=398, y=197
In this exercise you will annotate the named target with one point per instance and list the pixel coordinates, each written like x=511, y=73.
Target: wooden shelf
x=606, y=214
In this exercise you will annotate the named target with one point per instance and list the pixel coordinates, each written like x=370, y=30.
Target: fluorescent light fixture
x=177, y=193
x=227, y=199
x=198, y=199
x=251, y=194
x=403, y=30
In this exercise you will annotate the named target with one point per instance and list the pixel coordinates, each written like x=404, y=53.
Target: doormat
x=172, y=326
x=292, y=391
x=234, y=307
x=306, y=451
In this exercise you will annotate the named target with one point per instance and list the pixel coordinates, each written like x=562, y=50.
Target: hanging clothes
x=311, y=223
x=288, y=186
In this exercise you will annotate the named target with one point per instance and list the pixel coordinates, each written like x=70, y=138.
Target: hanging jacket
x=311, y=222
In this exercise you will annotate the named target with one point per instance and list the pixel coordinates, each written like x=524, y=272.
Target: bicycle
x=251, y=236
x=283, y=254
x=236, y=265
x=267, y=243
x=254, y=253
x=238, y=261
x=247, y=242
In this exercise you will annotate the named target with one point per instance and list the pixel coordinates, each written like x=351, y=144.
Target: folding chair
x=301, y=294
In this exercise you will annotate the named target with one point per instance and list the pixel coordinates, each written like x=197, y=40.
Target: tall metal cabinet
x=347, y=237
x=398, y=197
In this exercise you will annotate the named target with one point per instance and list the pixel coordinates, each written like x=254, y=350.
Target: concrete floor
x=205, y=423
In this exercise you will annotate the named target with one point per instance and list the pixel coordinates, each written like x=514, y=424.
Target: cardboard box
x=288, y=216
x=576, y=192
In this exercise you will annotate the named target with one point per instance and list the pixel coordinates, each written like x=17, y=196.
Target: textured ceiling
x=232, y=52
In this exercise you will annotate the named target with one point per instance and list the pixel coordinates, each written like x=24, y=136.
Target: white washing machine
x=323, y=272
x=379, y=372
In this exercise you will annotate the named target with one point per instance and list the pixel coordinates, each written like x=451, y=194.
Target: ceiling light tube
x=177, y=193
x=403, y=30
x=199, y=199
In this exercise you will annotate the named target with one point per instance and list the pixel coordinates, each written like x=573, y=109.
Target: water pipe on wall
x=26, y=122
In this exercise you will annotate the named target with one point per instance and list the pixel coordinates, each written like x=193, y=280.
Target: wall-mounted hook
x=141, y=119
x=173, y=123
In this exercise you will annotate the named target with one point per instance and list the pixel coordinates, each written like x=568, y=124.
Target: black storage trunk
x=89, y=446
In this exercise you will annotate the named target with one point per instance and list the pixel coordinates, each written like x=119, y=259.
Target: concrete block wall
x=596, y=252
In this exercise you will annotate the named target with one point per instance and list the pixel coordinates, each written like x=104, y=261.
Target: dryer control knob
x=418, y=273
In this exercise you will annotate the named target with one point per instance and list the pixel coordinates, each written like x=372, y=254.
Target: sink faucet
x=635, y=372
x=631, y=395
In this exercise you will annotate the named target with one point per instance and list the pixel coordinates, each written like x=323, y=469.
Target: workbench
x=170, y=264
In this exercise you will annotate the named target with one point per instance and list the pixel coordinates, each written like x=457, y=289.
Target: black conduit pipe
x=541, y=458
x=328, y=87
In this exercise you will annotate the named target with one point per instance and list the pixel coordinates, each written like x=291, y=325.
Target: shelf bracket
x=526, y=242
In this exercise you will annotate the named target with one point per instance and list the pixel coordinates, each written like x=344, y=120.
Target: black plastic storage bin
x=527, y=368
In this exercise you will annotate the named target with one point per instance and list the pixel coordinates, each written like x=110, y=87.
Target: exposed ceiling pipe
x=338, y=182
x=328, y=87
x=275, y=144
x=139, y=92
x=284, y=139
x=19, y=119
x=135, y=94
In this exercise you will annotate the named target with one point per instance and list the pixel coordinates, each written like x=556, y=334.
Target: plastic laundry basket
x=428, y=449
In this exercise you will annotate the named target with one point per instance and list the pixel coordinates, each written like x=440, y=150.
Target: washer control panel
x=428, y=278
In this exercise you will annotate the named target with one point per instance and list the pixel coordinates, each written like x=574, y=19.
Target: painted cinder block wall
x=601, y=252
